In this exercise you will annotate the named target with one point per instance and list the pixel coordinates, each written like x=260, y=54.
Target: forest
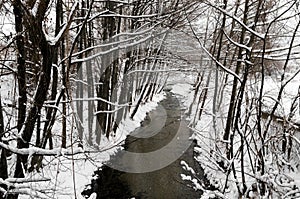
x=78, y=76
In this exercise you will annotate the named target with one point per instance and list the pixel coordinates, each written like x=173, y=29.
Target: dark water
x=160, y=130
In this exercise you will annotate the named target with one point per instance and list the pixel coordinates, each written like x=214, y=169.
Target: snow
x=187, y=168
x=35, y=8
x=65, y=172
x=272, y=86
x=134, y=42
x=54, y=40
x=202, y=132
x=6, y=20
x=184, y=91
x=93, y=196
x=219, y=63
x=70, y=174
x=38, y=151
x=210, y=160
x=257, y=34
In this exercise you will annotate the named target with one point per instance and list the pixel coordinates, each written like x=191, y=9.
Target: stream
x=150, y=165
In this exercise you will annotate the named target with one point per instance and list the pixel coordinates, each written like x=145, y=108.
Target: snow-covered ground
x=204, y=133
x=206, y=139
x=68, y=176
x=65, y=176
x=291, y=91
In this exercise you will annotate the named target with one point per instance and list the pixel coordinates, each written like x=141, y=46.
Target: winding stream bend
x=162, y=183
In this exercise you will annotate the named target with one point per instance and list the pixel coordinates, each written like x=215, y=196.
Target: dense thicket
x=77, y=68
x=73, y=69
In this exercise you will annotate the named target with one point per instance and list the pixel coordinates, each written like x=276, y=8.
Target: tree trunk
x=21, y=73
x=37, y=37
x=3, y=161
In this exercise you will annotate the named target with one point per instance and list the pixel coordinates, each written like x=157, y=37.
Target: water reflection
x=164, y=183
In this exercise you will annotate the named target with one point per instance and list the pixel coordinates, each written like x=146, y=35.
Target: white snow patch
x=93, y=196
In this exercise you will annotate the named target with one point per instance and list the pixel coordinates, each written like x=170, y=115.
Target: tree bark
x=3, y=160
x=34, y=27
x=21, y=72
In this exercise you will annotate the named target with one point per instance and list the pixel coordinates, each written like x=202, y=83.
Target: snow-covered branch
x=86, y=99
x=54, y=40
x=20, y=186
x=29, y=192
x=271, y=50
x=26, y=180
x=118, y=47
x=237, y=44
x=166, y=70
x=100, y=99
x=39, y=151
x=259, y=35
x=112, y=14
x=112, y=111
x=219, y=63
x=115, y=40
